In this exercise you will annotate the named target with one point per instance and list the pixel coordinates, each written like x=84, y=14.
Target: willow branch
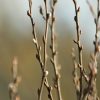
x=93, y=62
x=44, y=80
x=13, y=86
x=54, y=51
x=77, y=9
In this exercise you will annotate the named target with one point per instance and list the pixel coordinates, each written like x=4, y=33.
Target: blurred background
x=16, y=40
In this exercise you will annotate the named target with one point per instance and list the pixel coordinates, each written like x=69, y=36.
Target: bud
x=46, y=73
x=41, y=10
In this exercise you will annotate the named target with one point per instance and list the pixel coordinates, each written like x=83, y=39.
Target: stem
x=79, y=47
x=96, y=34
x=44, y=81
x=54, y=52
x=13, y=86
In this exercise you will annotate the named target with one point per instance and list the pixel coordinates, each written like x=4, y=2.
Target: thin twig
x=44, y=77
x=91, y=9
x=96, y=23
x=54, y=51
x=44, y=80
x=91, y=89
x=13, y=86
x=77, y=9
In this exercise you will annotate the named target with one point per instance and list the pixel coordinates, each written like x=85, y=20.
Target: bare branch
x=91, y=9
x=93, y=62
x=13, y=86
x=80, y=47
x=54, y=51
x=44, y=81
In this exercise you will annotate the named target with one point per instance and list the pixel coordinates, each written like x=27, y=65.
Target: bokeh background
x=16, y=40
